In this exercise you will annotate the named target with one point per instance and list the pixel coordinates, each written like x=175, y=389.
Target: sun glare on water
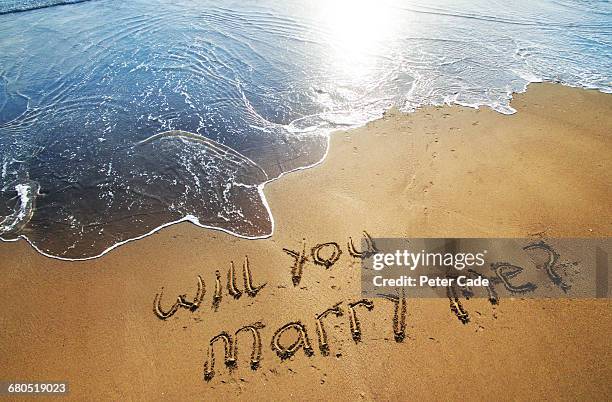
x=357, y=31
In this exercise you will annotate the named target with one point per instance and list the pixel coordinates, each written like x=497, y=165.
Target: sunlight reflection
x=358, y=31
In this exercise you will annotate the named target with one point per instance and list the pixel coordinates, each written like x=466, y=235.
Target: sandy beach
x=438, y=172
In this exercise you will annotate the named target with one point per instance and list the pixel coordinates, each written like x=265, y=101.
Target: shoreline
x=438, y=172
x=261, y=188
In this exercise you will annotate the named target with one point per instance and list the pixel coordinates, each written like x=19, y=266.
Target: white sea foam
x=26, y=194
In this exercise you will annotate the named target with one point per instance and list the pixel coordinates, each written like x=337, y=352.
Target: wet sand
x=438, y=172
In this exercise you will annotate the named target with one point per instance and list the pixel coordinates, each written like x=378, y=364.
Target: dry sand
x=439, y=172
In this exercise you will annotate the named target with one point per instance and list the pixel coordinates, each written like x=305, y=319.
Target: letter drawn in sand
x=181, y=301
x=216, y=301
x=506, y=271
x=231, y=349
x=354, y=323
x=455, y=304
x=322, y=334
x=399, y=315
x=256, y=352
x=231, y=282
x=209, y=364
x=369, y=250
x=157, y=309
x=329, y=260
x=298, y=265
x=197, y=300
x=302, y=341
x=248, y=279
x=469, y=292
x=553, y=257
